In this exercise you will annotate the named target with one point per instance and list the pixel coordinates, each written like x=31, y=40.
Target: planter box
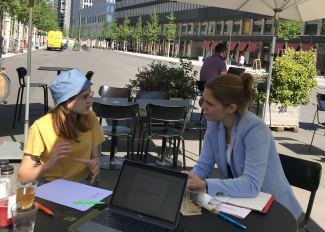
x=281, y=116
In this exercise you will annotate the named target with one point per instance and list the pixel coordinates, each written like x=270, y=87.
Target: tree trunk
x=168, y=49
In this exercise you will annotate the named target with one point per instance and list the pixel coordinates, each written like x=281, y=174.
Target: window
x=183, y=29
x=190, y=28
x=323, y=27
x=211, y=28
x=203, y=28
x=268, y=26
x=196, y=29
x=246, y=26
x=311, y=27
x=226, y=28
x=257, y=26
x=236, y=27
x=218, y=27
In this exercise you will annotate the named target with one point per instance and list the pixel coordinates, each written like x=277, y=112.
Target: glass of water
x=23, y=219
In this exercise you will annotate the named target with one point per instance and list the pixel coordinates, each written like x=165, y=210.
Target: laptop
x=235, y=71
x=145, y=198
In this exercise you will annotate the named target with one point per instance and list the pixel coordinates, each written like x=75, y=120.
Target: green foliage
x=65, y=32
x=115, y=32
x=82, y=32
x=138, y=33
x=179, y=81
x=105, y=32
x=152, y=31
x=171, y=27
x=95, y=32
x=89, y=33
x=124, y=29
x=75, y=32
x=289, y=29
x=293, y=78
x=44, y=17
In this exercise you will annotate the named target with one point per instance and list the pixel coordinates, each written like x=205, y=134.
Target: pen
x=90, y=202
x=232, y=221
x=46, y=210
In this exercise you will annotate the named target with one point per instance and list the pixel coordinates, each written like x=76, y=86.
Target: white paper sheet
x=66, y=192
x=235, y=211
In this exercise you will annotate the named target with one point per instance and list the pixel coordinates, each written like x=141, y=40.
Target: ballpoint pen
x=46, y=210
x=232, y=221
x=89, y=202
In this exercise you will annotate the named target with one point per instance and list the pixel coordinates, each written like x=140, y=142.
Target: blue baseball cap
x=67, y=85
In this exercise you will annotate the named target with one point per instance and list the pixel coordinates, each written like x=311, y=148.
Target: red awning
x=293, y=46
x=252, y=47
x=278, y=47
x=306, y=47
x=241, y=47
x=232, y=45
x=206, y=44
x=214, y=44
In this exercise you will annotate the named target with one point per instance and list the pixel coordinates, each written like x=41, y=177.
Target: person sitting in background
x=241, y=145
x=214, y=65
x=66, y=139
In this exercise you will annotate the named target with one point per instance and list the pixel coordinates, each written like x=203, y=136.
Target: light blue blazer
x=254, y=162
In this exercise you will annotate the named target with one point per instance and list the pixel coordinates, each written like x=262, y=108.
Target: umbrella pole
x=29, y=60
x=276, y=19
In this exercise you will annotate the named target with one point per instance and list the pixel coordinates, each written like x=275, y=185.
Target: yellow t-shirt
x=42, y=140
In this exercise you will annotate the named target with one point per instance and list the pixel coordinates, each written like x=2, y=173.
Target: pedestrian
x=241, y=145
x=241, y=60
x=214, y=65
x=66, y=139
x=63, y=44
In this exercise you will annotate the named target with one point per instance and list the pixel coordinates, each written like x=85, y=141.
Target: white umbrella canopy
x=299, y=10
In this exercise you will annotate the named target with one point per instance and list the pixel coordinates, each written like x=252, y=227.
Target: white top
x=228, y=154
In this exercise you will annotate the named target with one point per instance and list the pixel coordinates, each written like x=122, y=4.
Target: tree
x=125, y=31
x=105, y=32
x=153, y=28
x=44, y=17
x=89, y=34
x=82, y=32
x=95, y=33
x=171, y=30
x=115, y=32
x=288, y=30
x=138, y=32
x=65, y=32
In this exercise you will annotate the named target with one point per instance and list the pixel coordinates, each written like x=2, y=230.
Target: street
x=115, y=68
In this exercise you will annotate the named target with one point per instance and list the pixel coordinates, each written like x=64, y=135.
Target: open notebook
x=260, y=203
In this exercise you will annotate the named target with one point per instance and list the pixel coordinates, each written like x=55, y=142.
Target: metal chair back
x=89, y=75
x=141, y=94
x=302, y=174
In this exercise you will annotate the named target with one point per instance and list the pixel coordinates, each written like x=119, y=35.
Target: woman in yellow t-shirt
x=66, y=139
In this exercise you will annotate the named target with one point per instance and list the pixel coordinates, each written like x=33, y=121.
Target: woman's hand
x=194, y=179
x=57, y=154
x=92, y=165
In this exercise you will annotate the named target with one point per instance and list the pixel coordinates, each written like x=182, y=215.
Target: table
x=278, y=218
x=57, y=69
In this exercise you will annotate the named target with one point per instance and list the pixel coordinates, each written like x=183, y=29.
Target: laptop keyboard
x=125, y=223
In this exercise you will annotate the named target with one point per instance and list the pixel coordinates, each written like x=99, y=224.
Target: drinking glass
x=23, y=218
x=194, y=195
x=26, y=191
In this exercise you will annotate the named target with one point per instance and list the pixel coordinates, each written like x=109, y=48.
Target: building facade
x=201, y=28
x=93, y=12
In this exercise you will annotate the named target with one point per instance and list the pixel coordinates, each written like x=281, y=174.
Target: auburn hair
x=65, y=126
x=231, y=89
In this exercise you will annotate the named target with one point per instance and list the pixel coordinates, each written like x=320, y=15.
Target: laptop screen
x=149, y=191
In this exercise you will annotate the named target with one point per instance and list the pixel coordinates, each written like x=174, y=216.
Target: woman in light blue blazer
x=241, y=145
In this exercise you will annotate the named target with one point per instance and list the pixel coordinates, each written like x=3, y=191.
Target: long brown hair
x=65, y=126
x=231, y=89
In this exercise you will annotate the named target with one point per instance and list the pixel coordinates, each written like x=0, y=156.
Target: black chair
x=305, y=175
x=22, y=72
x=320, y=107
x=200, y=125
x=114, y=92
x=143, y=119
x=118, y=113
x=89, y=75
x=166, y=115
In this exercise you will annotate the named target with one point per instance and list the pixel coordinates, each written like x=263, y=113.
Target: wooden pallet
x=278, y=128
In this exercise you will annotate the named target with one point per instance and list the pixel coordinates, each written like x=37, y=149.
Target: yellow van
x=54, y=39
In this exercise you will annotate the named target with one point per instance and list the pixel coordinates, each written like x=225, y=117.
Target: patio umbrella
x=299, y=10
x=29, y=61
